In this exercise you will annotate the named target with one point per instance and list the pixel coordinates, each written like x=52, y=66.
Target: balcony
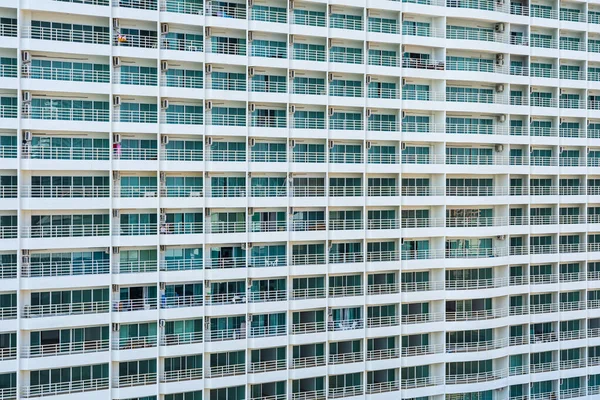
x=134, y=78
x=61, y=349
x=134, y=305
x=308, y=293
x=64, y=74
x=308, y=327
x=66, y=35
x=345, y=391
x=64, y=153
x=413, y=383
x=469, y=347
x=183, y=338
x=65, y=388
x=383, y=354
x=480, y=315
x=61, y=191
x=180, y=375
x=476, y=377
x=136, y=4
x=423, y=350
x=53, y=310
x=135, y=380
x=409, y=319
x=225, y=334
x=130, y=343
x=64, y=114
x=61, y=231
x=383, y=322
x=182, y=7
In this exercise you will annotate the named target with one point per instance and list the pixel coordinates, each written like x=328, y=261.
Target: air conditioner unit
x=243, y=246
x=115, y=327
x=329, y=43
x=250, y=2
x=209, y=141
x=368, y=79
x=25, y=260
x=26, y=96
x=292, y=74
x=251, y=142
x=164, y=104
x=161, y=323
x=403, y=146
x=499, y=56
x=163, y=285
x=403, y=114
x=330, y=77
x=368, y=145
x=107, y=250
x=116, y=61
x=251, y=107
x=501, y=118
x=403, y=81
x=250, y=36
x=208, y=105
x=291, y=4
x=501, y=237
x=208, y=68
x=250, y=318
x=250, y=211
x=207, y=324
x=207, y=212
x=500, y=88
x=115, y=288
x=561, y=149
x=116, y=250
x=27, y=136
x=164, y=139
x=292, y=108
x=250, y=72
x=164, y=28
x=331, y=111
x=25, y=56
x=116, y=100
x=499, y=28
x=116, y=175
x=292, y=143
x=368, y=112
x=116, y=23
x=330, y=312
x=207, y=32
x=291, y=39
x=499, y=148
x=331, y=144
x=164, y=66
x=116, y=214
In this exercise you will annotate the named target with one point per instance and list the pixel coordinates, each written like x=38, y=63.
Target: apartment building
x=303, y=200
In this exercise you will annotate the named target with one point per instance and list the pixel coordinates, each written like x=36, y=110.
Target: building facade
x=271, y=200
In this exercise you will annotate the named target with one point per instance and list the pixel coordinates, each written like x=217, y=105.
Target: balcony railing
x=130, y=343
x=64, y=74
x=51, y=310
x=65, y=114
x=64, y=231
x=67, y=268
x=59, y=349
x=64, y=388
x=65, y=35
x=180, y=375
x=135, y=380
